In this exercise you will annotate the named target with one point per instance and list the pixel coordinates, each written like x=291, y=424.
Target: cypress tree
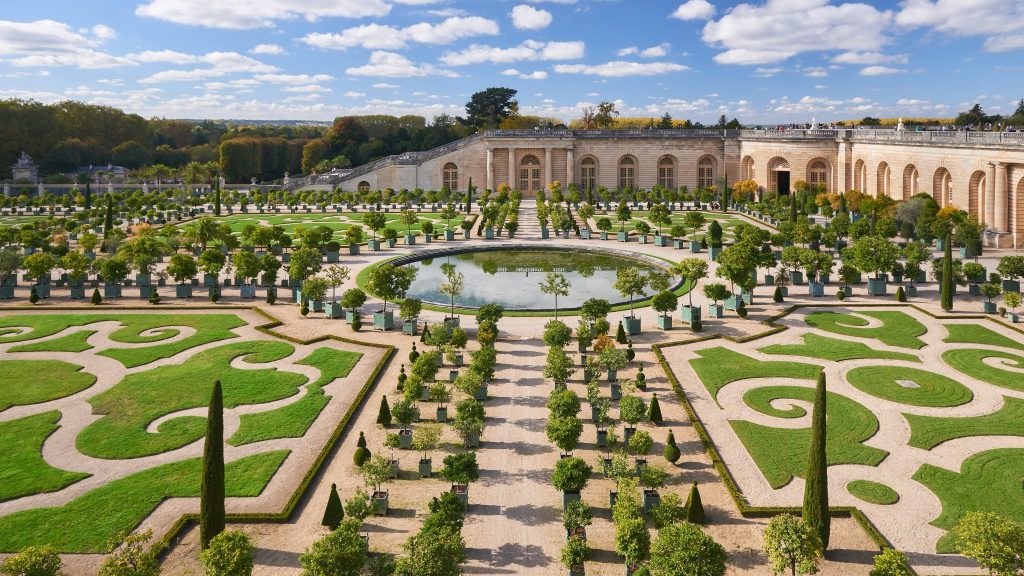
x=947, y=275
x=88, y=196
x=384, y=416
x=335, y=512
x=654, y=411
x=108, y=220
x=901, y=295
x=211, y=493
x=216, y=198
x=620, y=334
x=671, y=451
x=33, y=296
x=469, y=196
x=792, y=207
x=815, y=510
x=694, y=507
x=842, y=203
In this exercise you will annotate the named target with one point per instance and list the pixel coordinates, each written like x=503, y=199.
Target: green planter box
x=816, y=289
x=615, y=391
x=410, y=239
x=623, y=236
x=334, y=310
x=409, y=327
x=732, y=302
x=379, y=503
x=384, y=320
x=569, y=497
x=405, y=439
x=489, y=233
x=660, y=241
x=183, y=291
x=602, y=438
x=689, y=313
x=426, y=467
x=316, y=305
x=77, y=292
x=480, y=393
x=604, y=235
x=461, y=492
x=664, y=322
x=442, y=414
x=449, y=235
x=716, y=251
x=651, y=499
x=353, y=249
x=111, y=290
x=1011, y=286
x=974, y=289
x=715, y=310
x=989, y=307
x=631, y=325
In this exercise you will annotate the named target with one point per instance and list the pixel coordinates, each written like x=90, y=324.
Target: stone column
x=1001, y=198
x=547, y=167
x=490, y=169
x=569, y=163
x=512, y=168
x=990, y=195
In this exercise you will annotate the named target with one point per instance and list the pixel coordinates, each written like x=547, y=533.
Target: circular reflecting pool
x=512, y=277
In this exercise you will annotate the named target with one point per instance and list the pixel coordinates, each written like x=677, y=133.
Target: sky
x=764, y=62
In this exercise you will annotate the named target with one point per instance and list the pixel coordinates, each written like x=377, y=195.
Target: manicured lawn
x=975, y=334
x=87, y=523
x=209, y=328
x=22, y=469
x=934, y=390
x=781, y=453
x=873, y=492
x=337, y=222
x=719, y=367
x=293, y=420
x=835, y=350
x=972, y=362
x=987, y=482
x=24, y=382
x=898, y=328
x=141, y=398
x=74, y=342
x=927, y=432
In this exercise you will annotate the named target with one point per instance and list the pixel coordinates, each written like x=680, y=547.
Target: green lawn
x=337, y=222
x=718, y=367
x=873, y=492
x=209, y=328
x=935, y=390
x=728, y=223
x=898, y=328
x=24, y=382
x=293, y=420
x=975, y=334
x=22, y=469
x=927, y=432
x=781, y=453
x=74, y=342
x=971, y=362
x=87, y=523
x=141, y=398
x=987, y=482
x=834, y=350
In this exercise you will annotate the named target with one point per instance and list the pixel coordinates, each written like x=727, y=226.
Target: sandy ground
x=513, y=526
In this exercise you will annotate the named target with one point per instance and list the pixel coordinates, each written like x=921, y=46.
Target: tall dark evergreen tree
x=216, y=197
x=335, y=512
x=694, y=506
x=469, y=196
x=88, y=196
x=211, y=492
x=947, y=275
x=792, y=207
x=654, y=412
x=815, y=510
x=108, y=221
x=384, y=415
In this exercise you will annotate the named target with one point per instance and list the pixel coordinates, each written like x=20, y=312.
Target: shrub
x=357, y=323
x=384, y=414
x=129, y=555
x=33, y=561
x=96, y=298
x=571, y=474
x=154, y=297
x=630, y=353
x=671, y=450
x=620, y=334
x=576, y=515
x=891, y=562
x=841, y=294
x=777, y=295
x=686, y=549
x=342, y=551
x=694, y=506
x=229, y=554
x=575, y=552
x=33, y=296
x=271, y=295
x=901, y=295
x=361, y=456
x=696, y=326
x=335, y=512
x=461, y=468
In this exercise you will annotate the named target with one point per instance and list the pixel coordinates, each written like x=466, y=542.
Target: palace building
x=981, y=172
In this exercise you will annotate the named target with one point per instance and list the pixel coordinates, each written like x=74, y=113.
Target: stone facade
x=979, y=172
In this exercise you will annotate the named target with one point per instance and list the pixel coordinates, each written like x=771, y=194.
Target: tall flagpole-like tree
x=211, y=493
x=947, y=275
x=815, y=510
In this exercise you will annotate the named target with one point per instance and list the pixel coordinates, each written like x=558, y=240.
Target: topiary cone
x=33, y=296
x=694, y=507
x=620, y=334
x=901, y=295
x=384, y=416
x=671, y=451
x=362, y=441
x=777, y=296
x=654, y=411
x=361, y=456
x=96, y=298
x=335, y=512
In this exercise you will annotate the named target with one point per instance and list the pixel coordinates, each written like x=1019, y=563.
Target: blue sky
x=762, y=61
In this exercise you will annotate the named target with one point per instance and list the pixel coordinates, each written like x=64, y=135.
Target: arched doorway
x=747, y=168
x=884, y=180
x=450, y=177
x=817, y=174
x=911, y=181
x=363, y=186
x=1017, y=215
x=667, y=172
x=627, y=172
x=974, y=188
x=859, y=175
x=706, y=172
x=588, y=173
x=942, y=186
x=529, y=174
x=778, y=175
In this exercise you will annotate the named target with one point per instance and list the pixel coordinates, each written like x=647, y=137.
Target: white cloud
x=353, y=94
x=766, y=72
x=694, y=10
x=659, y=51
x=536, y=75
x=619, y=69
x=385, y=85
x=294, y=79
x=248, y=14
x=628, y=51
x=880, y=71
x=866, y=58
x=1001, y=22
x=220, y=64
x=168, y=56
x=765, y=34
x=526, y=17
x=383, y=37
x=911, y=102
x=48, y=43
x=815, y=72
x=529, y=50
x=267, y=49
x=306, y=88
x=392, y=65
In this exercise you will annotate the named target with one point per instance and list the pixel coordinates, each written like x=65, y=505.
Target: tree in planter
x=304, y=263
x=343, y=551
x=564, y=432
x=1012, y=301
x=575, y=553
x=409, y=309
x=376, y=472
x=409, y=218
x=668, y=511
x=571, y=474
x=314, y=289
x=632, y=409
x=468, y=382
x=229, y=554
x=611, y=359
x=390, y=282
x=404, y=412
x=425, y=366
x=563, y=403
x=461, y=468
x=686, y=549
x=623, y=214
x=247, y=265
x=447, y=214
x=693, y=270
x=576, y=516
x=426, y=438
x=640, y=444
x=873, y=254
x=483, y=362
x=440, y=393
x=375, y=221
x=75, y=264
x=604, y=224
x=212, y=261
x=270, y=266
x=336, y=276
x=469, y=420
x=559, y=366
x=991, y=290
x=453, y=286
x=353, y=300
x=716, y=292
x=39, y=265
x=632, y=540
x=557, y=334
x=630, y=283
x=390, y=234
x=991, y=540
x=791, y=546
x=556, y=285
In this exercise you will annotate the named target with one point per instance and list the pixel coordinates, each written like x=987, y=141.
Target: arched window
x=859, y=173
x=667, y=173
x=942, y=186
x=627, y=173
x=911, y=179
x=706, y=172
x=818, y=174
x=884, y=178
x=747, y=168
x=975, y=188
x=529, y=173
x=588, y=173
x=450, y=176
x=364, y=186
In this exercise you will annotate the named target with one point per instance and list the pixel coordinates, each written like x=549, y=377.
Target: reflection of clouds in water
x=519, y=289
